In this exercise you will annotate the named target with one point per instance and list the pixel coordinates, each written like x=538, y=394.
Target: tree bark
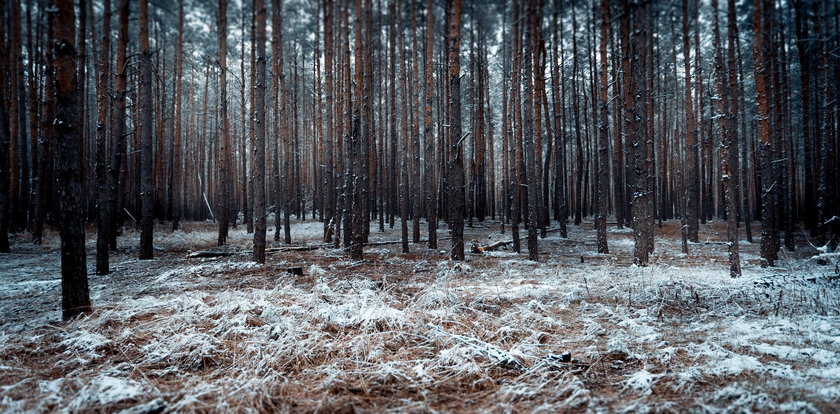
x=147, y=185
x=102, y=220
x=226, y=175
x=428, y=132
x=456, y=149
x=765, y=149
x=724, y=121
x=259, y=147
x=528, y=127
x=75, y=297
x=5, y=199
x=603, y=180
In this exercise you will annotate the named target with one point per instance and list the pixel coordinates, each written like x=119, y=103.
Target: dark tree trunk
x=603, y=180
x=768, y=250
x=259, y=147
x=724, y=121
x=119, y=130
x=5, y=201
x=640, y=139
x=102, y=220
x=74, y=284
x=176, y=177
x=147, y=185
x=528, y=127
x=691, y=192
x=428, y=131
x=225, y=173
x=455, y=167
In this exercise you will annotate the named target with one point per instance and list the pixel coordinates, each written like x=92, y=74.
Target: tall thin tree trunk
x=5, y=199
x=528, y=130
x=102, y=221
x=75, y=298
x=725, y=120
x=764, y=138
x=147, y=185
x=428, y=132
x=225, y=173
x=456, y=149
x=602, y=182
x=691, y=192
x=176, y=178
x=259, y=124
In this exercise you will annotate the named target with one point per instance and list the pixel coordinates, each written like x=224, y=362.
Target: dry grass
x=416, y=333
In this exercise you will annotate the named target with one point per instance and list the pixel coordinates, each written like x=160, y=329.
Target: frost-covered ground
x=578, y=331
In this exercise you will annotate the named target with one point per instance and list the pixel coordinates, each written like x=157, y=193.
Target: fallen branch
x=292, y=248
x=499, y=244
x=209, y=253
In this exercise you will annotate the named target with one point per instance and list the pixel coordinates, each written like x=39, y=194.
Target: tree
x=691, y=193
x=259, y=147
x=5, y=202
x=528, y=126
x=768, y=251
x=560, y=201
x=428, y=131
x=602, y=182
x=329, y=175
x=103, y=220
x=75, y=297
x=118, y=131
x=640, y=139
x=225, y=173
x=725, y=120
x=176, y=178
x=147, y=186
x=455, y=167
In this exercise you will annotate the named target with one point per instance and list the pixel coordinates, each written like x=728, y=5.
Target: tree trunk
x=528, y=130
x=5, y=201
x=259, y=147
x=603, y=180
x=764, y=138
x=225, y=172
x=640, y=139
x=428, y=132
x=176, y=177
x=724, y=121
x=456, y=149
x=74, y=284
x=102, y=219
x=147, y=184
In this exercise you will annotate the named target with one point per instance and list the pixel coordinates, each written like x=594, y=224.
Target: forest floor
x=576, y=332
